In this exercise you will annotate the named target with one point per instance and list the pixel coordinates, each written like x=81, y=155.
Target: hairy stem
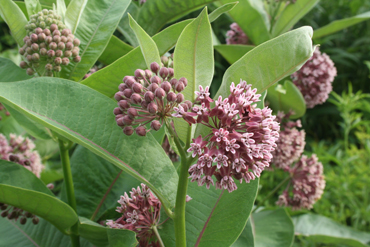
x=68, y=181
x=158, y=236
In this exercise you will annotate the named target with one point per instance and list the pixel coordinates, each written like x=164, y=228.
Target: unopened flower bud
x=23, y=220
x=132, y=112
x=35, y=220
x=51, y=53
x=139, y=74
x=56, y=33
x=57, y=68
x=129, y=80
x=48, y=40
x=77, y=59
x=58, y=61
x=53, y=46
x=29, y=58
x=75, y=51
x=166, y=86
x=127, y=120
x=155, y=125
x=41, y=37
x=61, y=45
x=171, y=73
x=59, y=53
x=63, y=39
x=141, y=131
x=179, y=86
x=135, y=98
x=164, y=60
x=25, y=39
x=180, y=98
x=38, y=30
x=29, y=50
x=43, y=52
x=120, y=122
x=148, y=74
x=137, y=87
x=53, y=27
x=30, y=71
x=117, y=111
x=149, y=96
x=155, y=79
x=144, y=105
x=119, y=96
x=69, y=46
x=48, y=67
x=76, y=42
x=128, y=130
x=163, y=72
x=65, y=32
x=159, y=93
x=67, y=53
x=123, y=104
x=171, y=96
x=29, y=43
x=47, y=32
x=35, y=57
x=154, y=67
x=23, y=65
x=56, y=39
x=122, y=87
x=127, y=93
x=184, y=81
x=173, y=82
x=22, y=51
x=152, y=108
x=152, y=87
x=34, y=37
x=188, y=103
x=65, y=61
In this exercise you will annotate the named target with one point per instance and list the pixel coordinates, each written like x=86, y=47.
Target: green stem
x=158, y=236
x=68, y=181
x=272, y=192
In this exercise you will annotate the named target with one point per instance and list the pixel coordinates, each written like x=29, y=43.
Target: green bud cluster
x=49, y=44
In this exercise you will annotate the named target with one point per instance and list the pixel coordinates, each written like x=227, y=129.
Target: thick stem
x=158, y=236
x=272, y=192
x=68, y=181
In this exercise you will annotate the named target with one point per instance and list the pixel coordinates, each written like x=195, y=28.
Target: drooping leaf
x=271, y=61
x=121, y=239
x=252, y=19
x=11, y=72
x=124, y=24
x=233, y=53
x=321, y=229
x=16, y=20
x=246, y=239
x=338, y=25
x=291, y=15
x=193, y=59
x=88, y=120
x=272, y=228
x=73, y=14
x=33, y=6
x=115, y=49
x=147, y=45
x=220, y=10
x=8, y=126
x=213, y=217
x=19, y=187
x=97, y=22
x=285, y=98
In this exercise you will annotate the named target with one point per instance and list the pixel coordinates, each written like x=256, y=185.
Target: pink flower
x=236, y=35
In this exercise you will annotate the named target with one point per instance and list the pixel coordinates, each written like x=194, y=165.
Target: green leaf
x=19, y=187
x=97, y=22
x=285, y=98
x=115, y=49
x=233, y=53
x=252, y=19
x=106, y=80
x=124, y=24
x=338, y=25
x=98, y=234
x=193, y=59
x=16, y=20
x=214, y=218
x=321, y=229
x=33, y=6
x=220, y=10
x=73, y=14
x=10, y=126
x=271, y=61
x=246, y=239
x=11, y=72
x=147, y=45
x=291, y=15
x=43, y=234
x=48, y=101
x=61, y=9
x=109, y=183
x=272, y=228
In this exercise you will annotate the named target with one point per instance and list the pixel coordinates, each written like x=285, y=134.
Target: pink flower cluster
x=3, y=110
x=291, y=142
x=306, y=185
x=139, y=214
x=148, y=97
x=314, y=78
x=236, y=35
x=242, y=140
x=19, y=150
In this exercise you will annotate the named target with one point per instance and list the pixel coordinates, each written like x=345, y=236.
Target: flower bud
x=166, y=86
x=51, y=53
x=149, y=96
x=34, y=37
x=152, y=108
x=69, y=46
x=127, y=120
x=63, y=39
x=67, y=53
x=58, y=61
x=23, y=65
x=59, y=53
x=23, y=220
x=141, y=131
x=123, y=104
x=120, y=122
x=77, y=59
x=137, y=87
x=76, y=42
x=179, y=86
x=48, y=67
x=65, y=61
x=22, y=51
x=128, y=130
x=171, y=96
x=35, y=57
x=119, y=96
x=154, y=67
x=117, y=111
x=61, y=46
x=35, y=220
x=41, y=37
x=56, y=33
x=43, y=52
x=118, y=116
x=164, y=60
x=30, y=71
x=29, y=58
x=65, y=32
x=184, y=81
x=127, y=93
x=155, y=125
x=47, y=32
x=155, y=79
x=144, y=105
x=29, y=50
x=185, y=106
x=122, y=87
x=163, y=72
x=53, y=46
x=189, y=104
x=53, y=27
x=38, y=30
x=159, y=93
x=132, y=112
x=48, y=39
x=25, y=39
x=35, y=47
x=57, y=68
x=148, y=74
x=135, y=98
x=29, y=43
x=139, y=74
x=75, y=51
x=152, y=87
x=171, y=73
x=129, y=80
x=56, y=39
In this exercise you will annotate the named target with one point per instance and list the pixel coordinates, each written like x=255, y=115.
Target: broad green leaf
x=193, y=59
x=147, y=45
x=338, y=25
x=108, y=181
x=220, y=10
x=271, y=61
x=98, y=234
x=272, y=228
x=233, y=53
x=214, y=218
x=61, y=105
x=252, y=19
x=97, y=22
x=106, y=80
x=74, y=13
x=21, y=188
x=43, y=234
x=11, y=72
x=61, y=9
x=33, y=6
x=321, y=229
x=291, y=15
x=115, y=49
x=285, y=98
x=246, y=238
x=16, y=20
